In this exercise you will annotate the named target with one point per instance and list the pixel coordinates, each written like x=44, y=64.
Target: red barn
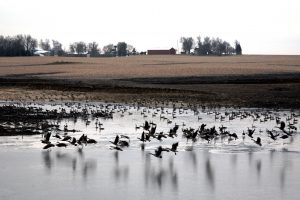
x=171, y=51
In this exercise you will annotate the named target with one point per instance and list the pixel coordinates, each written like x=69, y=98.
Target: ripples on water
x=217, y=170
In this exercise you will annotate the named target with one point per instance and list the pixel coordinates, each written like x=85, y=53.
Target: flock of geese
x=286, y=128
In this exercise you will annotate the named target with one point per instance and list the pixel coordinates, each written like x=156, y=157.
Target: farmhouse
x=171, y=51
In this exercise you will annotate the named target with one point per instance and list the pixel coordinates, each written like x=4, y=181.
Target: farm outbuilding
x=171, y=51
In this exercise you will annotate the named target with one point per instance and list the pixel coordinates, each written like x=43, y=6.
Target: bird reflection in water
x=250, y=157
x=147, y=168
x=209, y=174
x=233, y=160
x=159, y=173
x=120, y=172
x=173, y=174
x=282, y=177
x=191, y=157
x=258, y=168
x=47, y=160
x=88, y=168
x=194, y=160
x=286, y=164
x=69, y=160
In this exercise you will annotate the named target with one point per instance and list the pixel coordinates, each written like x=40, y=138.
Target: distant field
x=249, y=81
x=147, y=66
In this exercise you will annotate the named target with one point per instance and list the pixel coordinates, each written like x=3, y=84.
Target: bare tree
x=72, y=48
x=207, y=46
x=80, y=47
x=45, y=45
x=109, y=49
x=93, y=49
x=30, y=44
x=238, y=48
x=187, y=44
x=122, y=49
x=12, y=46
x=57, y=48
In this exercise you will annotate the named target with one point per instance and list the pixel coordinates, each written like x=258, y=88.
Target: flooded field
x=92, y=149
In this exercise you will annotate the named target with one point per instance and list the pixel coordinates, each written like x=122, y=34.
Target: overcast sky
x=261, y=26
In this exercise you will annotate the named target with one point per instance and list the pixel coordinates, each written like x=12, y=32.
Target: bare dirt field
x=148, y=66
x=259, y=81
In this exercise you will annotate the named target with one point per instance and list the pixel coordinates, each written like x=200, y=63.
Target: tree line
x=19, y=45
x=209, y=46
x=26, y=45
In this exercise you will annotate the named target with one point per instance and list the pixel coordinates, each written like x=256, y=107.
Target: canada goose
x=157, y=152
x=57, y=136
x=272, y=136
x=243, y=136
x=142, y=137
x=160, y=136
x=222, y=128
x=125, y=136
x=284, y=137
x=137, y=127
x=66, y=138
x=202, y=127
x=91, y=141
x=49, y=145
x=116, y=141
x=250, y=132
x=61, y=144
x=47, y=138
x=73, y=141
x=174, y=147
x=123, y=143
x=65, y=128
x=206, y=137
x=147, y=138
x=234, y=135
x=82, y=139
x=257, y=141
x=291, y=126
x=116, y=148
x=282, y=125
x=152, y=130
x=146, y=126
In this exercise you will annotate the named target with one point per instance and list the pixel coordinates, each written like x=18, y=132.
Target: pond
x=210, y=163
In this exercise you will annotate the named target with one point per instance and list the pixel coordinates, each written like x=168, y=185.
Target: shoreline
x=269, y=95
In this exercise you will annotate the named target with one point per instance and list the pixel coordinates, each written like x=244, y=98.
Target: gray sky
x=261, y=26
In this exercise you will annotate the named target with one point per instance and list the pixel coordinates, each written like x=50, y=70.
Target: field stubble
x=259, y=81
